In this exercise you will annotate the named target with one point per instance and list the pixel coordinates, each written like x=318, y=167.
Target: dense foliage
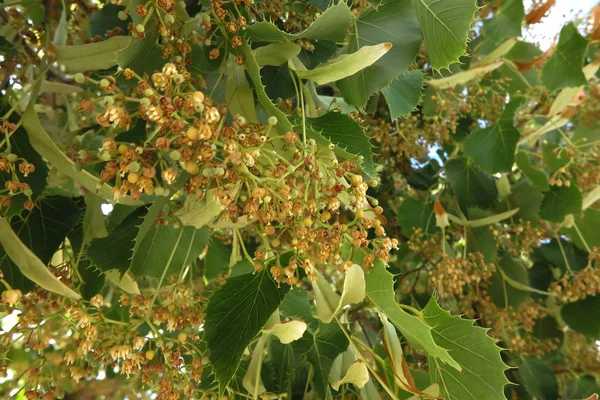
x=298, y=199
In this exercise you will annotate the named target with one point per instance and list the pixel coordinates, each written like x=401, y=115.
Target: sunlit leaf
x=482, y=377
x=445, y=26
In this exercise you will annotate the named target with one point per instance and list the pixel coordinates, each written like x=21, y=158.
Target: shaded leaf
x=413, y=214
x=472, y=186
x=320, y=349
x=404, y=92
x=538, y=378
x=493, y=148
x=216, y=259
x=501, y=291
x=535, y=176
x=234, y=315
x=559, y=202
x=581, y=316
x=394, y=22
x=21, y=146
x=29, y=243
x=116, y=250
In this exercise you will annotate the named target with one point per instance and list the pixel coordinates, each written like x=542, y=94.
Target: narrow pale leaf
x=463, y=77
x=29, y=264
x=476, y=223
x=276, y=54
x=345, y=65
x=47, y=148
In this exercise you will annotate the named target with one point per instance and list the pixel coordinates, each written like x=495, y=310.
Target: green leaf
x=472, y=186
x=445, y=26
x=200, y=212
x=216, y=260
x=585, y=233
x=276, y=54
x=331, y=25
x=7, y=47
x=380, y=290
x=234, y=315
x=581, y=316
x=297, y=305
x=320, y=349
x=527, y=198
x=493, y=148
x=535, y=176
x=92, y=56
x=538, y=379
x=413, y=214
x=166, y=250
x=394, y=22
x=481, y=239
x=28, y=244
x=404, y=92
x=563, y=255
x=107, y=19
x=143, y=55
x=342, y=66
x=506, y=21
x=346, y=134
x=238, y=94
x=501, y=291
x=92, y=278
x=483, y=376
x=281, y=366
x=21, y=146
x=484, y=221
x=559, y=202
x=278, y=82
x=116, y=250
x=564, y=68
x=581, y=387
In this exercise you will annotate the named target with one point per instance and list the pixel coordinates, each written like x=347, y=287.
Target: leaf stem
x=373, y=372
